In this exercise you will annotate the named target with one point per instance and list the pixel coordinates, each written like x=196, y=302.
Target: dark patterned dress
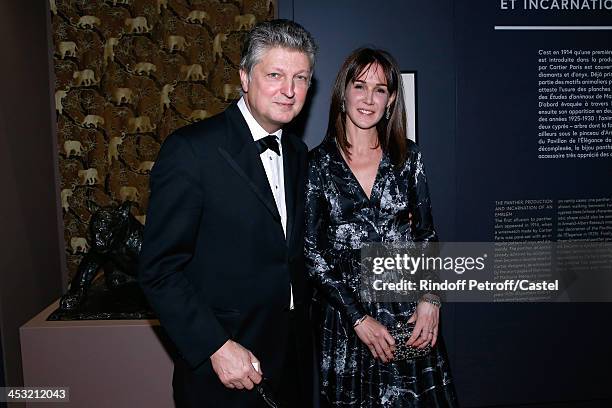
x=340, y=219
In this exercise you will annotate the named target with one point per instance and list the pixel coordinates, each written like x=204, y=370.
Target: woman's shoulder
x=413, y=152
x=412, y=147
x=413, y=159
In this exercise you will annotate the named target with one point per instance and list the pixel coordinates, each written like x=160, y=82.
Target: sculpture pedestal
x=105, y=363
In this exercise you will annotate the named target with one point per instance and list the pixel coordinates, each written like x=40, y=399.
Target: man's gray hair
x=276, y=33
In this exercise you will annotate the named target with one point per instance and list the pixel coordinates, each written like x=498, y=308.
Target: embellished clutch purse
x=401, y=332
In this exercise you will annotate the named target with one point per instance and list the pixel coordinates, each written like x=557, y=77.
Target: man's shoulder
x=209, y=131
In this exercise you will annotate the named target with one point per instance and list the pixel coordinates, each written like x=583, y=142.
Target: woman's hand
x=377, y=338
x=425, y=330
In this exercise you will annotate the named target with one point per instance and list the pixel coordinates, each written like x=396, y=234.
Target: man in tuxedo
x=222, y=258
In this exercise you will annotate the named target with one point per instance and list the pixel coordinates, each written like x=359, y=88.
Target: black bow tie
x=268, y=142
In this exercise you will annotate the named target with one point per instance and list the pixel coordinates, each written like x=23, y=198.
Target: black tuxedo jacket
x=215, y=264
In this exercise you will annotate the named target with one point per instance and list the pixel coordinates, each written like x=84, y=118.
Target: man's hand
x=377, y=338
x=233, y=364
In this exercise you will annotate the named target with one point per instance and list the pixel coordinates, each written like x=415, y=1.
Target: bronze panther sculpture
x=116, y=238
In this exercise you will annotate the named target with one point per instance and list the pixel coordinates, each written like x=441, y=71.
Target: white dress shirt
x=273, y=166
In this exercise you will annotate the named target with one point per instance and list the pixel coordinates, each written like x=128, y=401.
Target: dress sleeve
x=329, y=283
x=422, y=220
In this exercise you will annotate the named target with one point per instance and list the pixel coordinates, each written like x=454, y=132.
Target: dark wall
x=2, y=382
x=1, y=364
x=30, y=269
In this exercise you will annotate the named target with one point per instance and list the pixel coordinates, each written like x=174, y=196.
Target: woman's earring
x=388, y=113
x=342, y=107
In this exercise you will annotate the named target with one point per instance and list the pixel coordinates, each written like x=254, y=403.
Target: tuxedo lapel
x=241, y=153
x=290, y=169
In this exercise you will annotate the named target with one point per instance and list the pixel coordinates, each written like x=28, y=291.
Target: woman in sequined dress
x=366, y=184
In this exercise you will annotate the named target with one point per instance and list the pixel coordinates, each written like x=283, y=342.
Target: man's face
x=276, y=91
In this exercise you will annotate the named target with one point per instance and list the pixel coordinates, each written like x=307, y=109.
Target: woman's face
x=366, y=98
